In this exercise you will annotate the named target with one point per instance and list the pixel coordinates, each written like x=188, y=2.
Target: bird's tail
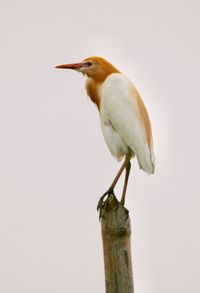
x=147, y=162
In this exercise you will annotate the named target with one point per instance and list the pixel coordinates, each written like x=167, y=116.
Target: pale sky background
x=54, y=163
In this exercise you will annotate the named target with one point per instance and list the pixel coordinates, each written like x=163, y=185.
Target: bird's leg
x=110, y=190
x=128, y=168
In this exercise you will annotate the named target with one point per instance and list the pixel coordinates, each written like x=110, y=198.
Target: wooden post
x=116, y=232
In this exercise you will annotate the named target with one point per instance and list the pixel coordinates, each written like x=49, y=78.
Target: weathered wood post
x=116, y=232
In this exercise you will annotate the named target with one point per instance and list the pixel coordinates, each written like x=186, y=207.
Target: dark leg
x=112, y=186
x=128, y=168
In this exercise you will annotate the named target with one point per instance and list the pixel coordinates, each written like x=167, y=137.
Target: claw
x=126, y=211
x=101, y=200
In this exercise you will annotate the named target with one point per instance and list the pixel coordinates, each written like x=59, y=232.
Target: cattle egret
x=123, y=116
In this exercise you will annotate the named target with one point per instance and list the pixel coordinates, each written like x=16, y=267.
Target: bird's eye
x=89, y=64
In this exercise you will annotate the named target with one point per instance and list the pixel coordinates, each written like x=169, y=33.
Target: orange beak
x=74, y=66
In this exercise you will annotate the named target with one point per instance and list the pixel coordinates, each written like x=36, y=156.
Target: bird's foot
x=101, y=200
x=122, y=203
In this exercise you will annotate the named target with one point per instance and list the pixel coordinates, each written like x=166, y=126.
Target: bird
x=123, y=116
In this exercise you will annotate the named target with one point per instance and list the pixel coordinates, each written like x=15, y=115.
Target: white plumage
x=121, y=123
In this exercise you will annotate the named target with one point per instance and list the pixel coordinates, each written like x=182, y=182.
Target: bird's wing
x=123, y=106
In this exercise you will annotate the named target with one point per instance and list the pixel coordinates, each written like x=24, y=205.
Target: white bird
x=124, y=119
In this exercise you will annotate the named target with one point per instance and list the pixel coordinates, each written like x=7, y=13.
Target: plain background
x=54, y=163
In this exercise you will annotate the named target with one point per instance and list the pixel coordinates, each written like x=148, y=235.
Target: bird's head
x=96, y=68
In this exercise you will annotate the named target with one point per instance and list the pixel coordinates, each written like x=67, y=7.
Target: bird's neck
x=94, y=82
x=92, y=88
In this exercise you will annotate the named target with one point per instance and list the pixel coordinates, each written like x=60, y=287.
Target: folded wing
x=123, y=106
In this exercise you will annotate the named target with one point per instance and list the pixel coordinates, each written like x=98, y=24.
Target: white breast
x=116, y=145
x=121, y=123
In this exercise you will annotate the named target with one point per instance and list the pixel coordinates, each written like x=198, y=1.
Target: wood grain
x=116, y=233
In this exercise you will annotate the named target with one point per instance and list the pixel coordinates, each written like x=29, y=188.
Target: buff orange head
x=96, y=68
